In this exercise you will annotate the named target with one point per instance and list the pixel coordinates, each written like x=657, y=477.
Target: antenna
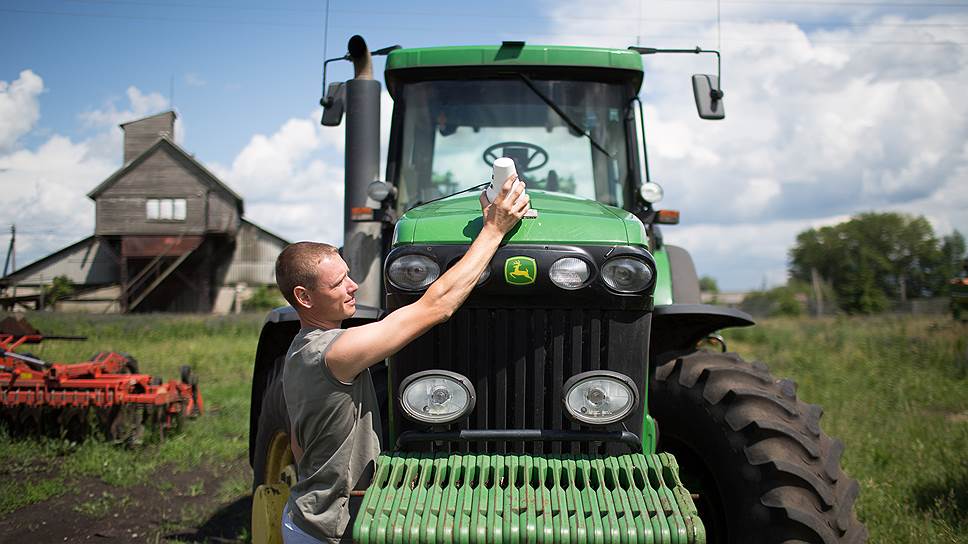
x=326, y=32
x=719, y=44
x=171, y=92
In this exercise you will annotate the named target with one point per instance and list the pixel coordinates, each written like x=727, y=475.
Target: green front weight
x=464, y=498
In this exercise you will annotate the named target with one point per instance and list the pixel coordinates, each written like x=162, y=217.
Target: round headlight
x=627, y=275
x=600, y=397
x=436, y=396
x=413, y=272
x=569, y=273
x=651, y=192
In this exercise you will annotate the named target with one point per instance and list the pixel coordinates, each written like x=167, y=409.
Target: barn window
x=165, y=209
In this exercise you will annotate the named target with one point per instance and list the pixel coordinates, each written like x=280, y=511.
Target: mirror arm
x=326, y=101
x=715, y=94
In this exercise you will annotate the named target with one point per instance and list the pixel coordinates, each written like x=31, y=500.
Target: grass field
x=894, y=389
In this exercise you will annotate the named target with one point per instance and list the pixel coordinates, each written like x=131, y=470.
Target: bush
x=787, y=300
x=60, y=288
x=265, y=297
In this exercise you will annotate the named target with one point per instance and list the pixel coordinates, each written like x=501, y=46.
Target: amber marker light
x=667, y=217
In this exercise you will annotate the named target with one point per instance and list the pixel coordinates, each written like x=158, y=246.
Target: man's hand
x=359, y=347
x=508, y=208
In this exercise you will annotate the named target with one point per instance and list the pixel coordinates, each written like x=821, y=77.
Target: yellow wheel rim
x=278, y=457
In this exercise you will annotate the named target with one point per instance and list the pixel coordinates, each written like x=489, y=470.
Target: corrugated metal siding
x=254, y=259
x=91, y=264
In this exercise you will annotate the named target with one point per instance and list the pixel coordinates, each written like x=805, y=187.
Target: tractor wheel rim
x=278, y=457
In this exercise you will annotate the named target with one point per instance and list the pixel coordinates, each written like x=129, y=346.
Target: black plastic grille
x=518, y=361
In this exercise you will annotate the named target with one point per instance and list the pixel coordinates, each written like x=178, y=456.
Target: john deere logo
x=520, y=270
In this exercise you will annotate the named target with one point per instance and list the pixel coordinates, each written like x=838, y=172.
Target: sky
x=833, y=107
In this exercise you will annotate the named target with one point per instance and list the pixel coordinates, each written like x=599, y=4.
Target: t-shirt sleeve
x=329, y=337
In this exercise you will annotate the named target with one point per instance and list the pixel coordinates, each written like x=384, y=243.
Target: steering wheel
x=523, y=153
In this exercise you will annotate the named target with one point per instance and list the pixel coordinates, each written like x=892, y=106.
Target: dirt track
x=183, y=507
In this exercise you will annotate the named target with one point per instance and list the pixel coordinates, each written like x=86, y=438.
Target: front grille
x=518, y=361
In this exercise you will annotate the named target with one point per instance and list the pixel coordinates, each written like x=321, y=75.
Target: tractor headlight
x=413, y=272
x=569, y=273
x=627, y=274
x=600, y=397
x=651, y=192
x=436, y=396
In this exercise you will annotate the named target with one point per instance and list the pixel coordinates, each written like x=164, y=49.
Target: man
x=326, y=380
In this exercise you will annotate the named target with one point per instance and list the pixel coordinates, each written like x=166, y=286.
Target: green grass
x=221, y=351
x=894, y=389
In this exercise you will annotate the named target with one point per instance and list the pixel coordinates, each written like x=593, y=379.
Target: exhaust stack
x=362, y=243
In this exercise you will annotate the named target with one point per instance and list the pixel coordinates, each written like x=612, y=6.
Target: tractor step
x=521, y=498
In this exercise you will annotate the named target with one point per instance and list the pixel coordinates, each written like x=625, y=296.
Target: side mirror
x=333, y=105
x=709, y=97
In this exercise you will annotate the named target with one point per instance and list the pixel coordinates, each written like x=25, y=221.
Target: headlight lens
x=651, y=192
x=600, y=397
x=436, y=396
x=569, y=273
x=626, y=275
x=413, y=272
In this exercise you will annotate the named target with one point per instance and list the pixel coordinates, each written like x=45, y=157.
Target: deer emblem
x=520, y=270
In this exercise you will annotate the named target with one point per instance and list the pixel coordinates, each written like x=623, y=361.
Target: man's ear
x=302, y=296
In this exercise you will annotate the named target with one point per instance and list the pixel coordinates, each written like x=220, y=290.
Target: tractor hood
x=561, y=219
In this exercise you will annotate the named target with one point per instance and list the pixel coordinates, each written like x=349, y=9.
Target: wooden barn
x=169, y=236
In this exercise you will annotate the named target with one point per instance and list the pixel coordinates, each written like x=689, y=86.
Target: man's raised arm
x=360, y=347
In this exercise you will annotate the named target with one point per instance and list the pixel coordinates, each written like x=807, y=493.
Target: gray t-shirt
x=338, y=427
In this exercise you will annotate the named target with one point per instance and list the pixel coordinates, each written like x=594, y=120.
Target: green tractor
x=581, y=394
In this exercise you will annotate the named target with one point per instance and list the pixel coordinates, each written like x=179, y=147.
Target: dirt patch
x=176, y=506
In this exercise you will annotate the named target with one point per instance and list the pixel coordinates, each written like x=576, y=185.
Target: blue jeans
x=291, y=534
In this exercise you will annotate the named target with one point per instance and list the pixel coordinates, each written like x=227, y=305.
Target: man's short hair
x=296, y=265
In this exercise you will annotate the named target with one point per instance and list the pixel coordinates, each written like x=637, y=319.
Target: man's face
x=332, y=298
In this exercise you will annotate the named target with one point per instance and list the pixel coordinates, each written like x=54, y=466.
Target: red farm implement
x=105, y=392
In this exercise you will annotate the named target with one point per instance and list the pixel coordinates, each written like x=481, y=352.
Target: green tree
x=708, y=284
x=872, y=259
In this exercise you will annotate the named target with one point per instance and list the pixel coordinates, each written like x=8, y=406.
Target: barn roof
x=165, y=142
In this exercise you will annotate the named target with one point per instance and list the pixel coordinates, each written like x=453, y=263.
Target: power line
x=506, y=33
x=441, y=14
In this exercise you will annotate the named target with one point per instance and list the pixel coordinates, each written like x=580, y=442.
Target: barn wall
x=121, y=207
x=254, y=258
x=90, y=263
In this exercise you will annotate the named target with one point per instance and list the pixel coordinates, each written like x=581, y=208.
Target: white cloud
x=45, y=187
x=139, y=105
x=831, y=111
x=292, y=180
x=18, y=107
x=194, y=80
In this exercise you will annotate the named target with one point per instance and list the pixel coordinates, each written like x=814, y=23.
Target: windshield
x=453, y=130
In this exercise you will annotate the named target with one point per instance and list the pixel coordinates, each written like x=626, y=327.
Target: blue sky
x=834, y=108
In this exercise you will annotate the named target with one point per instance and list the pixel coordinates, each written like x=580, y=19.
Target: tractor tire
x=272, y=452
x=763, y=469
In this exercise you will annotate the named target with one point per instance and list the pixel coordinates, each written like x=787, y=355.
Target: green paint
x=520, y=270
x=421, y=497
x=528, y=55
x=663, y=280
x=562, y=219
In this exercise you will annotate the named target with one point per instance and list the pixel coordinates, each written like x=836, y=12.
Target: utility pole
x=817, y=291
x=11, y=260
x=11, y=255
